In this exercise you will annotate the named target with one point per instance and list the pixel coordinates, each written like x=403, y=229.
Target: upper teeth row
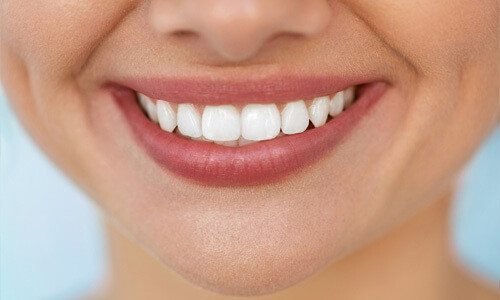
x=256, y=122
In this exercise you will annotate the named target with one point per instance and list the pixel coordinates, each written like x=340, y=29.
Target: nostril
x=289, y=35
x=237, y=30
x=184, y=34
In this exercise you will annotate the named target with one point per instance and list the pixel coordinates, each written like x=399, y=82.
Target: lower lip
x=257, y=163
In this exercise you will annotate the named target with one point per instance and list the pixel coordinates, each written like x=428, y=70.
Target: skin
x=440, y=58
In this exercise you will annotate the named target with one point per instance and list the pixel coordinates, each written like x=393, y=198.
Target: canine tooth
x=221, y=123
x=142, y=100
x=149, y=106
x=188, y=120
x=318, y=111
x=348, y=96
x=260, y=122
x=294, y=118
x=166, y=115
x=336, y=104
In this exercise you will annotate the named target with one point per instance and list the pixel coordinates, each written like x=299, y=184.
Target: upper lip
x=269, y=89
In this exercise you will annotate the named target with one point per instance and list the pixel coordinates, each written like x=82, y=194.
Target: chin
x=248, y=269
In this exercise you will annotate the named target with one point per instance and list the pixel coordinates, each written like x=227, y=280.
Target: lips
x=261, y=162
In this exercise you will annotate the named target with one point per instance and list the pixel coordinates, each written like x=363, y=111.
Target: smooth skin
x=367, y=221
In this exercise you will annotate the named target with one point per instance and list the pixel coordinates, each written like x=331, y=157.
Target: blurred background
x=50, y=232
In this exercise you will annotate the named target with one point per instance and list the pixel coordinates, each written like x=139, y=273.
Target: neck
x=410, y=262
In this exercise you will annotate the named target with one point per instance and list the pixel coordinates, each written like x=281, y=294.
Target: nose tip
x=237, y=29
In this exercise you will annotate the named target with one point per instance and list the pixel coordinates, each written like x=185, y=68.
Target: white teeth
x=243, y=142
x=227, y=143
x=260, y=122
x=201, y=139
x=318, y=111
x=294, y=118
x=348, y=97
x=143, y=100
x=188, y=120
x=149, y=106
x=166, y=116
x=336, y=104
x=221, y=123
x=224, y=125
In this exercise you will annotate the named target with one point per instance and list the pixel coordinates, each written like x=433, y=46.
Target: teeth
x=227, y=143
x=188, y=120
x=260, y=122
x=348, y=97
x=166, y=116
x=201, y=139
x=336, y=104
x=294, y=118
x=149, y=106
x=221, y=123
x=318, y=111
x=143, y=100
x=243, y=142
x=224, y=125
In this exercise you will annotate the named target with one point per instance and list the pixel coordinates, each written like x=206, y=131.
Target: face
x=216, y=191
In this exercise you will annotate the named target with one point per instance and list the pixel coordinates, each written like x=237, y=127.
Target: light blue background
x=51, y=243
x=52, y=246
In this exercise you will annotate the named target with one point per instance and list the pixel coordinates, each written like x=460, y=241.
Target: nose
x=237, y=29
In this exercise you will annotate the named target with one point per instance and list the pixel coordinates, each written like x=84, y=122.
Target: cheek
x=71, y=30
x=453, y=46
x=43, y=48
x=433, y=35
x=449, y=117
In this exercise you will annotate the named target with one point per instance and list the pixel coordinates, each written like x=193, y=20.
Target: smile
x=228, y=125
x=214, y=142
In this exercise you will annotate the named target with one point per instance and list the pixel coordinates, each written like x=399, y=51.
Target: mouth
x=229, y=134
